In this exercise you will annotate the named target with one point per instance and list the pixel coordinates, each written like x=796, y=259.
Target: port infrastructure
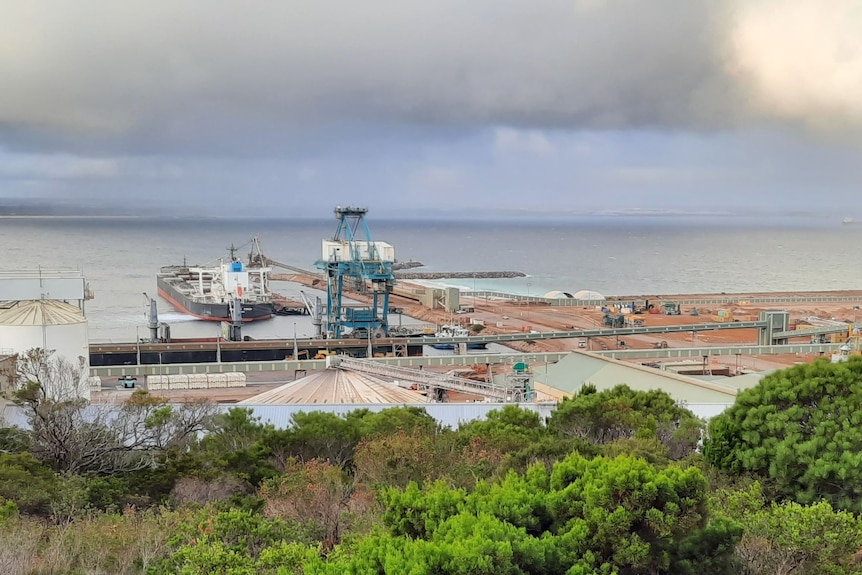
x=353, y=258
x=435, y=385
x=471, y=359
x=282, y=350
x=679, y=300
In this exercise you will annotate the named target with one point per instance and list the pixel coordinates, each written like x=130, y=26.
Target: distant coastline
x=68, y=217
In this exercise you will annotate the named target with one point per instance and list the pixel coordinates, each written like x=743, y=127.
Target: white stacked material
x=197, y=381
x=216, y=380
x=157, y=382
x=95, y=383
x=180, y=381
x=235, y=379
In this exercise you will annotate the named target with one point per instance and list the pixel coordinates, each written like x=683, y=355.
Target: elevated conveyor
x=820, y=330
x=724, y=300
x=424, y=380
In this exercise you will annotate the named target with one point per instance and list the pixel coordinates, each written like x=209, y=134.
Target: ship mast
x=232, y=249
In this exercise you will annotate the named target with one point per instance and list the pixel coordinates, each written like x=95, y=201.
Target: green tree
x=235, y=543
x=398, y=459
x=316, y=435
x=408, y=419
x=595, y=516
x=639, y=519
x=622, y=413
x=73, y=437
x=320, y=496
x=27, y=482
x=237, y=446
x=511, y=428
x=794, y=538
x=798, y=429
x=791, y=538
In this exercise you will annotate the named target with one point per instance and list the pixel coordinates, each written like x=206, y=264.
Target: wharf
x=458, y=275
x=282, y=350
x=532, y=325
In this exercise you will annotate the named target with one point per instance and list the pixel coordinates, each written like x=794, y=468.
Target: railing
x=427, y=380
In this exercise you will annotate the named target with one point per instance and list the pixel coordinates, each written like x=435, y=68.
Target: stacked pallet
x=195, y=381
x=180, y=381
x=216, y=380
x=236, y=379
x=198, y=381
x=157, y=382
x=95, y=383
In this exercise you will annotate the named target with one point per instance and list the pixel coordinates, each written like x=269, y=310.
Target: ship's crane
x=353, y=258
x=151, y=312
x=314, y=310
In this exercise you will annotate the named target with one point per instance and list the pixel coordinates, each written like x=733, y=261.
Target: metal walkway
x=423, y=379
x=294, y=269
x=607, y=332
x=823, y=330
x=415, y=341
x=802, y=348
x=727, y=300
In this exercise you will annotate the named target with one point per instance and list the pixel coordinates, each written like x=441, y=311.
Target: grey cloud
x=210, y=75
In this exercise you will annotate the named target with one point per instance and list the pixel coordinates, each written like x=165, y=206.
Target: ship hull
x=452, y=346
x=251, y=311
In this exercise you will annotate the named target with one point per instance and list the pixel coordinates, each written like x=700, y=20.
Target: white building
x=35, y=313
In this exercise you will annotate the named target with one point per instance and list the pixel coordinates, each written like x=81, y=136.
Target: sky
x=207, y=107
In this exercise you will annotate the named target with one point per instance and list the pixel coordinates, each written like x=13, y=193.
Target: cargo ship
x=209, y=292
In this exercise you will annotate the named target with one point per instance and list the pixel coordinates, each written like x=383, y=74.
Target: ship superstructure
x=209, y=292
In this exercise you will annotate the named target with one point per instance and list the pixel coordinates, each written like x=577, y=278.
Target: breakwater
x=458, y=275
x=406, y=265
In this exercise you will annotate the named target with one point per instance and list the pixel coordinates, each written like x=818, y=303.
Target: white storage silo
x=52, y=325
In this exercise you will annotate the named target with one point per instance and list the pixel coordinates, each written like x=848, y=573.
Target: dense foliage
x=800, y=430
x=612, y=483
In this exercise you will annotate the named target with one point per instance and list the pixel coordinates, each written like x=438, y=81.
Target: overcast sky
x=288, y=108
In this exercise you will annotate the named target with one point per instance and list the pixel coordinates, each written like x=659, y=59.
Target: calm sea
x=612, y=255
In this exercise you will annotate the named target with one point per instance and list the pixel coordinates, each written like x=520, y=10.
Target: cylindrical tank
x=52, y=325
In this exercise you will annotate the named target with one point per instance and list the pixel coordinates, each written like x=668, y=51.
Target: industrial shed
x=336, y=386
x=705, y=398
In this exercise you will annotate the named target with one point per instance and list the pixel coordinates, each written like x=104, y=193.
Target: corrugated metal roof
x=747, y=380
x=41, y=312
x=336, y=386
x=579, y=368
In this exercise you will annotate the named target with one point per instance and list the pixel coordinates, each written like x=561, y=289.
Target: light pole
x=138, y=342
x=295, y=345
x=218, y=346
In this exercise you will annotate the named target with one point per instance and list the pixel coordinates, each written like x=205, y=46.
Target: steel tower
x=354, y=261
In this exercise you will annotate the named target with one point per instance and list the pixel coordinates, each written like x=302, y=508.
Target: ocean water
x=612, y=255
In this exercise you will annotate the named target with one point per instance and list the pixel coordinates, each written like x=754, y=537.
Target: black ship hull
x=251, y=311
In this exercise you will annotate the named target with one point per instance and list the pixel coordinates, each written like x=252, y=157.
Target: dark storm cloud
x=204, y=73
x=407, y=103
